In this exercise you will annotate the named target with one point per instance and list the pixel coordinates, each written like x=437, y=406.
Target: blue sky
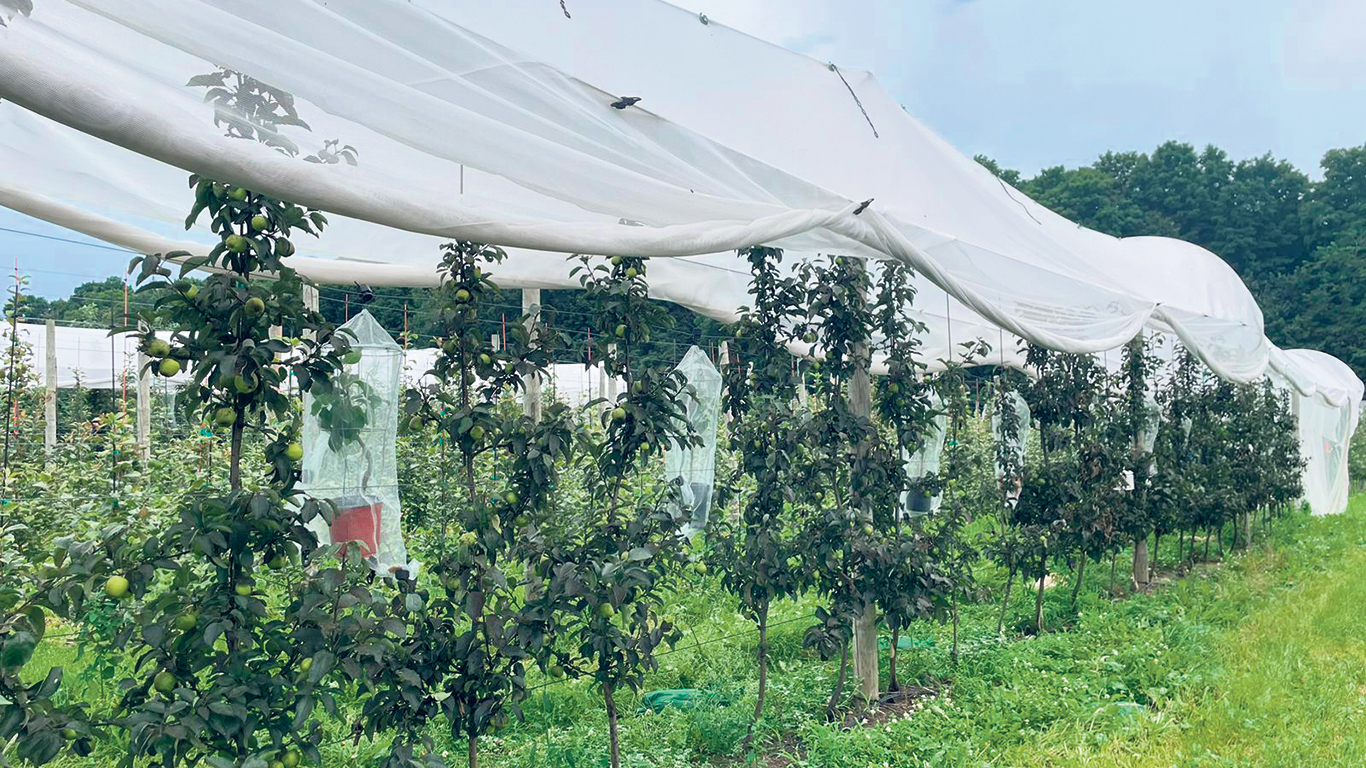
x=1032, y=83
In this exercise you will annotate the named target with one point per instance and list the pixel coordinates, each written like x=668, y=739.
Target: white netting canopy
x=508, y=123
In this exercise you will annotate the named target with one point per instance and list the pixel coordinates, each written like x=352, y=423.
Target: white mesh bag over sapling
x=695, y=466
x=924, y=462
x=349, y=448
x=1019, y=410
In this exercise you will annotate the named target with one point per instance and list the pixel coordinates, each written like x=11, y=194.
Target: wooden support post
x=144, y=407
x=531, y=394
x=50, y=393
x=310, y=293
x=865, y=627
x=602, y=387
x=723, y=360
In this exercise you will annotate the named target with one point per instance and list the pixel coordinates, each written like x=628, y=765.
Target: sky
x=1031, y=83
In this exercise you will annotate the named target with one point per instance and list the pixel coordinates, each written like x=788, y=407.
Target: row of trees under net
x=549, y=543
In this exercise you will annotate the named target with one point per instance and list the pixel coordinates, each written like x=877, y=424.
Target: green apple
x=893, y=387
x=462, y=295
x=618, y=414
x=70, y=734
x=236, y=243
x=306, y=665
x=469, y=538
x=638, y=387
x=510, y=497
x=616, y=261
x=557, y=671
x=484, y=359
x=164, y=681
x=238, y=194
x=225, y=417
x=192, y=291
x=243, y=384
x=168, y=367
x=186, y=621
x=868, y=529
x=255, y=307
x=116, y=587
x=476, y=433
x=158, y=348
x=631, y=272
x=606, y=611
x=277, y=563
x=622, y=331
x=702, y=569
x=243, y=589
x=415, y=423
x=277, y=764
x=294, y=452
x=291, y=758
x=284, y=248
x=259, y=223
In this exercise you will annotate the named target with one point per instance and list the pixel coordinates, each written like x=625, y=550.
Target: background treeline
x=1299, y=244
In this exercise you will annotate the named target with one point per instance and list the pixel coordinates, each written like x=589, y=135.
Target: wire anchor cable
x=857, y=101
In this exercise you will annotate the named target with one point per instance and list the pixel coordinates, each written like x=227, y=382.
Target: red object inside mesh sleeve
x=358, y=520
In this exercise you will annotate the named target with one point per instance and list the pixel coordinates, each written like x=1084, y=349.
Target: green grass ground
x=1260, y=661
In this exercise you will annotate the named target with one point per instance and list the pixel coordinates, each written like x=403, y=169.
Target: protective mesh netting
x=695, y=466
x=924, y=462
x=1147, y=438
x=349, y=440
x=1019, y=410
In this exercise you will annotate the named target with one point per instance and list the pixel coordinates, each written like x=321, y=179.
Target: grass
x=1260, y=661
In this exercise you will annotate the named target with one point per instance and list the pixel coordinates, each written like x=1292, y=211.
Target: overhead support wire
x=837, y=71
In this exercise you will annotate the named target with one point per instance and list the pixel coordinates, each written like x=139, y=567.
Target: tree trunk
x=1081, y=573
x=1038, y=601
x=953, y=656
x=763, y=665
x=235, y=455
x=892, y=684
x=474, y=752
x=1152, y=564
x=1000, y=620
x=1141, y=563
x=1208, y=533
x=1114, y=556
x=612, y=725
x=1245, y=529
x=833, y=706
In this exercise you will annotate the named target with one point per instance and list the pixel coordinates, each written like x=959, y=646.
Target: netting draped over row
x=349, y=440
x=496, y=122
